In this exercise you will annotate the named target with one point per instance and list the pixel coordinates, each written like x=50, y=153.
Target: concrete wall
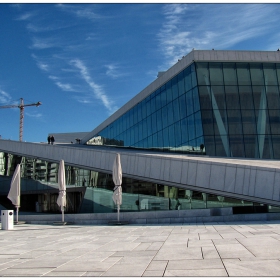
x=151, y=217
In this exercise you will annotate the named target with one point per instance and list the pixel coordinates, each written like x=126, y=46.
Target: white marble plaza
x=198, y=249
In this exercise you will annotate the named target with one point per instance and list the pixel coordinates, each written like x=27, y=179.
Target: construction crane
x=21, y=109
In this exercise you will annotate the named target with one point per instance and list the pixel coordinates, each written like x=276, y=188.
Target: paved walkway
x=224, y=249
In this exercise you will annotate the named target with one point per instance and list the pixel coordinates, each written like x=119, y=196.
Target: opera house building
x=205, y=134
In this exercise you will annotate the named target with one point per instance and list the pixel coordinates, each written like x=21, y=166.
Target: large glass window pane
x=191, y=127
x=202, y=73
x=234, y=122
x=158, y=101
x=220, y=122
x=164, y=116
x=189, y=101
x=132, y=136
x=237, y=145
x=262, y=121
x=153, y=105
x=188, y=79
x=256, y=74
x=181, y=85
x=270, y=75
x=183, y=106
x=196, y=106
x=174, y=83
x=230, y=77
x=177, y=134
x=267, y=149
x=155, y=140
x=208, y=122
x=278, y=72
x=149, y=125
x=159, y=119
x=140, y=133
x=168, y=92
x=249, y=121
x=148, y=105
x=144, y=109
x=246, y=97
x=150, y=141
x=176, y=110
x=163, y=96
x=145, y=128
x=139, y=110
x=220, y=149
x=136, y=133
x=184, y=131
x=276, y=146
x=154, y=123
x=170, y=118
x=274, y=119
x=216, y=74
x=171, y=136
x=160, y=139
x=219, y=94
x=198, y=124
x=243, y=74
x=232, y=97
x=165, y=137
x=250, y=146
x=193, y=73
x=210, y=145
x=273, y=100
x=205, y=99
x=258, y=92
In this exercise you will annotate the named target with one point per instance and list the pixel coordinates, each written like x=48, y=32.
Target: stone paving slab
x=184, y=250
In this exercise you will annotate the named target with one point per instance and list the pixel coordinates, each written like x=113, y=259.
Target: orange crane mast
x=21, y=115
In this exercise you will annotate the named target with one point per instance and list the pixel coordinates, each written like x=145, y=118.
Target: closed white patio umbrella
x=117, y=178
x=61, y=200
x=14, y=193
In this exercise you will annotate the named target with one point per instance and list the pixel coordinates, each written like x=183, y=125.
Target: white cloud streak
x=5, y=97
x=86, y=12
x=207, y=26
x=112, y=71
x=97, y=89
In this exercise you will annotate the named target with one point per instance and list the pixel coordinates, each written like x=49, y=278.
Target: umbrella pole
x=62, y=210
x=17, y=215
x=118, y=212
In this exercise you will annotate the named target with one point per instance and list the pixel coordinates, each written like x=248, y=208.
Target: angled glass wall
x=219, y=109
x=167, y=120
x=240, y=109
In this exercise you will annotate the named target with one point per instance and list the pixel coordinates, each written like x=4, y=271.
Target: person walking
x=49, y=139
x=52, y=139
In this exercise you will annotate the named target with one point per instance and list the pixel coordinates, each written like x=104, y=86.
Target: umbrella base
x=118, y=223
x=62, y=223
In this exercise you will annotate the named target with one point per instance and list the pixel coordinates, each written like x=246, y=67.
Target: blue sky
x=84, y=61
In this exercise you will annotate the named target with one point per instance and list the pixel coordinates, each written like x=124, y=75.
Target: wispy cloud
x=189, y=26
x=5, y=97
x=112, y=71
x=97, y=89
x=86, y=11
x=63, y=86
x=43, y=43
x=25, y=16
x=38, y=115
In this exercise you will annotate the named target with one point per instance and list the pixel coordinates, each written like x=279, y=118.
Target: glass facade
x=219, y=109
x=89, y=191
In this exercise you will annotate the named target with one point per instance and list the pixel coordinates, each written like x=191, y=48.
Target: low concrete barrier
x=152, y=217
